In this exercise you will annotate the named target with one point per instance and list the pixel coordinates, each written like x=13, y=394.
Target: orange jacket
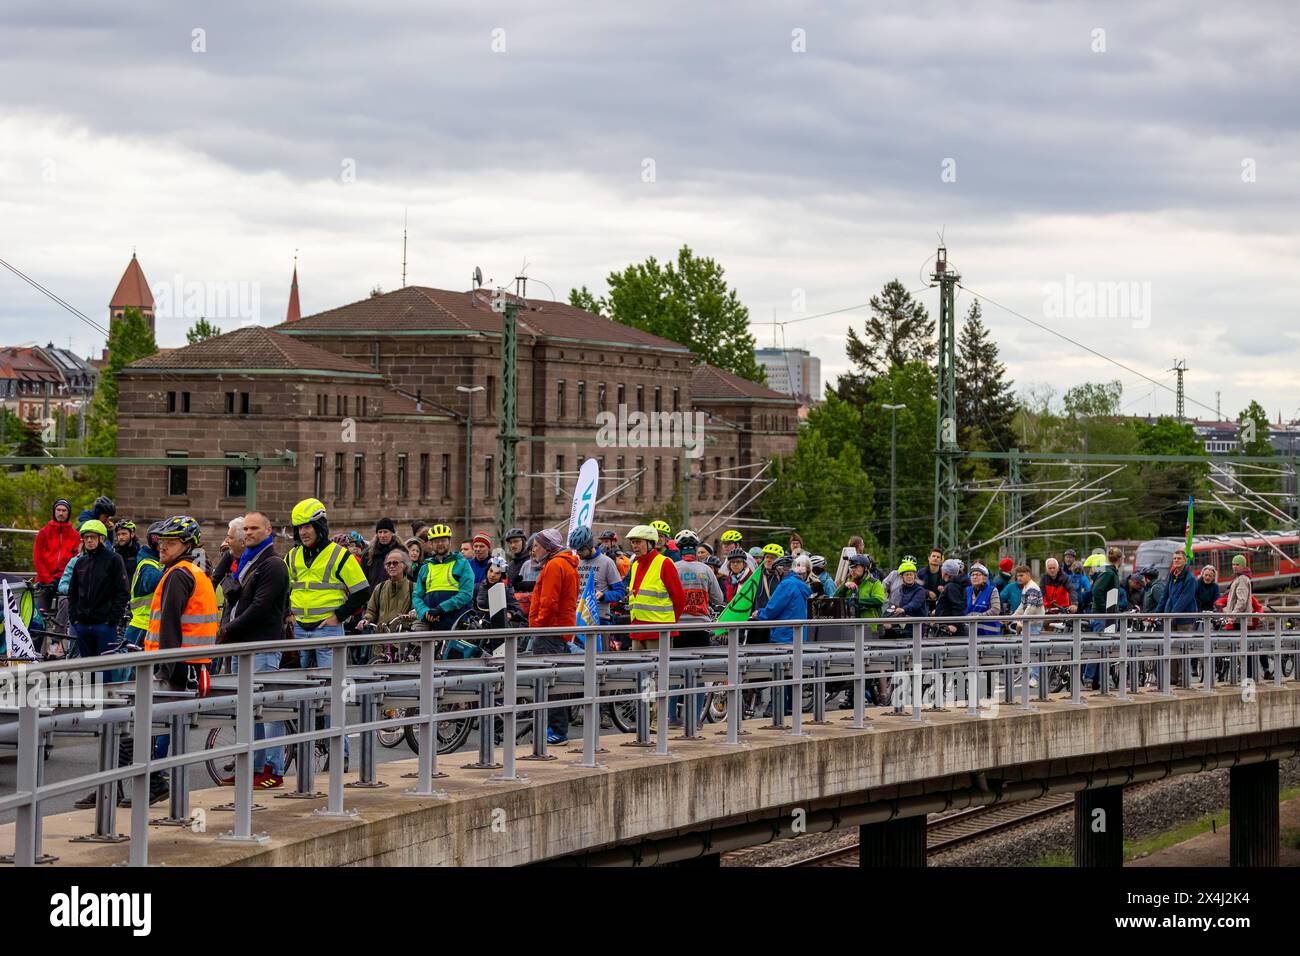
x=555, y=595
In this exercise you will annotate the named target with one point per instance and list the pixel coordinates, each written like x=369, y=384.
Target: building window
x=490, y=394
x=245, y=403
x=338, y=476
x=621, y=476
x=489, y=477
x=358, y=477
x=383, y=476
x=640, y=398
x=424, y=475
x=318, y=477
x=178, y=478
x=659, y=398
x=361, y=405
x=236, y=479
x=559, y=400
x=717, y=477
x=582, y=401
x=185, y=402
x=600, y=397
x=640, y=479
x=659, y=479
x=341, y=405
x=230, y=403
x=446, y=476
x=322, y=404
x=622, y=394
x=171, y=402
x=401, y=477
x=677, y=399
x=559, y=470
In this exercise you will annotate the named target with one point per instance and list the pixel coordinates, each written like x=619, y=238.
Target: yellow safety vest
x=140, y=605
x=440, y=575
x=199, y=619
x=316, y=591
x=650, y=602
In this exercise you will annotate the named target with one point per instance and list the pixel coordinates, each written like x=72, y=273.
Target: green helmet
x=94, y=526
x=307, y=511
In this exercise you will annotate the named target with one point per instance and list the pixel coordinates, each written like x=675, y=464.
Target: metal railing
x=916, y=654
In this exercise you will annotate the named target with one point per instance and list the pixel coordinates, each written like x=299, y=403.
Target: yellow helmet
x=662, y=527
x=774, y=549
x=730, y=536
x=438, y=531
x=307, y=511
x=643, y=532
x=93, y=526
x=906, y=566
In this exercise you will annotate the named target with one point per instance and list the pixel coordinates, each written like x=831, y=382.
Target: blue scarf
x=245, y=559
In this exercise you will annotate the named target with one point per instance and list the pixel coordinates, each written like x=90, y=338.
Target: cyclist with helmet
x=702, y=591
x=952, y=593
x=911, y=598
x=609, y=545
x=666, y=545
x=767, y=585
x=610, y=587
x=497, y=572
x=982, y=599
x=731, y=540
x=126, y=544
x=737, y=571
x=445, y=586
x=894, y=580
x=654, y=593
x=97, y=592
x=102, y=510
x=823, y=585
x=326, y=584
x=144, y=582
x=522, y=575
x=863, y=595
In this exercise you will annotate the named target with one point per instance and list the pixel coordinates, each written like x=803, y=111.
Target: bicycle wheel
x=622, y=714
x=394, y=735
x=221, y=769
x=452, y=732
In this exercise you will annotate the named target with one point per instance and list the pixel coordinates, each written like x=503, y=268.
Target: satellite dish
x=478, y=277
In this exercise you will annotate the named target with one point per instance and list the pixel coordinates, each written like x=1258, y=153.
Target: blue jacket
x=913, y=600
x=479, y=568
x=1083, y=585
x=1010, y=596
x=147, y=581
x=789, y=602
x=447, y=603
x=828, y=584
x=1180, y=595
x=66, y=581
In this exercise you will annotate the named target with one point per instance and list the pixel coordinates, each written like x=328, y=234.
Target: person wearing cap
x=863, y=594
x=445, y=585
x=522, y=575
x=554, y=603
x=952, y=593
x=1005, y=575
x=98, y=593
x=1155, y=587
x=480, y=555
x=982, y=599
x=384, y=542
x=56, y=544
x=103, y=510
x=1239, y=591
x=1011, y=593
x=654, y=594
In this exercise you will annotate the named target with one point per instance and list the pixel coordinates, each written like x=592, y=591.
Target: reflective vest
x=199, y=618
x=141, y=604
x=649, y=602
x=979, y=604
x=440, y=575
x=315, y=592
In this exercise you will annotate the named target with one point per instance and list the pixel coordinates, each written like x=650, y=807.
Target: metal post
x=778, y=697
x=916, y=672
x=1277, y=652
x=243, y=831
x=541, y=694
x=690, y=705
x=590, y=710
x=735, y=703
x=178, y=808
x=510, y=694
x=367, y=779
x=972, y=671
x=250, y=488
x=819, y=691
x=665, y=685
x=859, y=676
x=26, y=842
x=469, y=464
x=487, y=730
x=143, y=741
x=1076, y=670
x=796, y=691
x=428, y=731
x=507, y=435
x=1207, y=668
x=305, y=758
x=338, y=718
x=1027, y=653
x=1167, y=652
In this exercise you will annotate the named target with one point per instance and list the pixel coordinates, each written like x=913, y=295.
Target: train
x=1273, y=556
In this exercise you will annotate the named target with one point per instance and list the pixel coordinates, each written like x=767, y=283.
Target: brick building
x=370, y=397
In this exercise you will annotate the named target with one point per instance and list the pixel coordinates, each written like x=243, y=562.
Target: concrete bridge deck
x=708, y=797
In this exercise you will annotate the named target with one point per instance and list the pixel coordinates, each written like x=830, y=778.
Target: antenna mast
x=1179, y=369
x=404, y=218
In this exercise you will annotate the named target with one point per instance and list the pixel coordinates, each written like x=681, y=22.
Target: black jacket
x=374, y=568
x=99, y=591
x=952, y=599
x=257, y=601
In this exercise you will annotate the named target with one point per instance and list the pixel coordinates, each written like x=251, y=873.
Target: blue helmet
x=580, y=537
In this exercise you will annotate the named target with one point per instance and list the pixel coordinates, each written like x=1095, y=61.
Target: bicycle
x=222, y=770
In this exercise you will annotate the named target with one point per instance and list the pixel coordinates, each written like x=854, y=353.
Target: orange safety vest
x=199, y=619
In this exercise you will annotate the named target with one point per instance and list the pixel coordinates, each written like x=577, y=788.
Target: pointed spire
x=294, y=312
x=133, y=291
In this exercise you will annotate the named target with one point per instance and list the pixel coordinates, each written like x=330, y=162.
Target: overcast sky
x=1146, y=149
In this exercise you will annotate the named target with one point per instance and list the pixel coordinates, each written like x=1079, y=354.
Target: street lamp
x=469, y=453
x=893, y=511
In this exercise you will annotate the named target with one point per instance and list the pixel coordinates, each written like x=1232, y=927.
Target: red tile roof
x=417, y=309
x=294, y=313
x=253, y=347
x=133, y=290
x=709, y=383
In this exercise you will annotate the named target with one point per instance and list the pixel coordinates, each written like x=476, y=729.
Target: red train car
x=1273, y=557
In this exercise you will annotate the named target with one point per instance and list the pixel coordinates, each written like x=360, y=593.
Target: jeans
x=557, y=718
x=96, y=639
x=317, y=657
x=272, y=755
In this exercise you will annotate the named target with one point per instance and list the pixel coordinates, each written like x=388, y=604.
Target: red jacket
x=668, y=572
x=56, y=543
x=555, y=595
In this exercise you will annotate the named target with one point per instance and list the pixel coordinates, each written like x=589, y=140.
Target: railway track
x=946, y=833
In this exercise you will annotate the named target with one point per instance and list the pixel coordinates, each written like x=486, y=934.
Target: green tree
x=1168, y=484
x=201, y=331
x=129, y=339
x=687, y=302
x=26, y=501
x=986, y=403
x=1253, y=436
x=826, y=497
x=898, y=331
x=32, y=444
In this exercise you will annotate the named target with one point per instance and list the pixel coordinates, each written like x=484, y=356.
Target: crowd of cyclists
x=110, y=587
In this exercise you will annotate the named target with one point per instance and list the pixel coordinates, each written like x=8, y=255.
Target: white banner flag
x=583, y=511
x=17, y=640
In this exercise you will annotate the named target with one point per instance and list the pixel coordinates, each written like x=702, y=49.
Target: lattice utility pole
x=1179, y=369
x=1015, y=508
x=946, y=449
x=508, y=417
